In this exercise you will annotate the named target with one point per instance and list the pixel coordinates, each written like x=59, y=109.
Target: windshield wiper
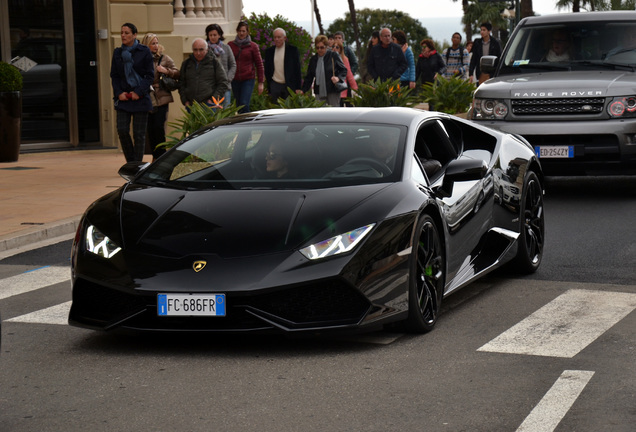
x=605, y=64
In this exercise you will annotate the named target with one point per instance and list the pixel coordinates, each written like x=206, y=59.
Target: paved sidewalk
x=43, y=195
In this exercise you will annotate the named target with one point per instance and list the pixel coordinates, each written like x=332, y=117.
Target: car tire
x=427, y=277
x=532, y=229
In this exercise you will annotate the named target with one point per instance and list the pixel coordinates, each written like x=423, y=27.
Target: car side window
x=433, y=148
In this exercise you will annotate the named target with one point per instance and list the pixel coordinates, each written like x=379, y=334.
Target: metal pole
x=312, y=16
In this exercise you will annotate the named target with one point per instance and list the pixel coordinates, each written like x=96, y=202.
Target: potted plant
x=10, y=112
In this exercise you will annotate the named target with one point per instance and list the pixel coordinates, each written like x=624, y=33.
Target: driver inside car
x=384, y=146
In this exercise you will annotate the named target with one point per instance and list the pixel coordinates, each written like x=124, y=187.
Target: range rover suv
x=567, y=83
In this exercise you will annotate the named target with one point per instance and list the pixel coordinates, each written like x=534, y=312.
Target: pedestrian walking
x=161, y=98
x=249, y=67
x=132, y=74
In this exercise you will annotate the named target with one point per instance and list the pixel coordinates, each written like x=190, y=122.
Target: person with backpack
x=457, y=58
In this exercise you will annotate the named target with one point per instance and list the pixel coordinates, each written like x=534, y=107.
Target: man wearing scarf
x=132, y=73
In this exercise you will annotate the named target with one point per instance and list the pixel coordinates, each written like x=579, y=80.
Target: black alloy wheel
x=532, y=235
x=427, y=278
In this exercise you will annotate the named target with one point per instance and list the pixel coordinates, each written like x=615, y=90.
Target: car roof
x=580, y=17
x=389, y=115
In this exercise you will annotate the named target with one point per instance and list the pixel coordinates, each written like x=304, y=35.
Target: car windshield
x=282, y=156
x=573, y=46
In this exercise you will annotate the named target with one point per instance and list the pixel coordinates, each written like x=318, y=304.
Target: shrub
x=300, y=100
x=10, y=78
x=382, y=94
x=450, y=96
x=199, y=115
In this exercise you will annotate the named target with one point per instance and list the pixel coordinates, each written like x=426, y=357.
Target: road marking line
x=547, y=415
x=33, y=280
x=566, y=325
x=53, y=315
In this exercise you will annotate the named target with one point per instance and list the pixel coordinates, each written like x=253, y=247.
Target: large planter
x=10, y=125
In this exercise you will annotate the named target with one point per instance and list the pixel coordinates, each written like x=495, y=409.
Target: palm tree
x=354, y=23
x=578, y=4
x=318, y=19
x=526, y=8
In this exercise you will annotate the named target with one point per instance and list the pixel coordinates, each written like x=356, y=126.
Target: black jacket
x=341, y=71
x=426, y=68
x=478, y=52
x=144, y=66
x=293, y=75
x=386, y=63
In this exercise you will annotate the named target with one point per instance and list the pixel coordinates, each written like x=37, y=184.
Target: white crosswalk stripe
x=547, y=415
x=53, y=315
x=33, y=280
x=566, y=325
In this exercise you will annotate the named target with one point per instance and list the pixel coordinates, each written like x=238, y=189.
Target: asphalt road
x=484, y=368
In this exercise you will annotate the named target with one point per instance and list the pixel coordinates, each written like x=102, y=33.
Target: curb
x=40, y=233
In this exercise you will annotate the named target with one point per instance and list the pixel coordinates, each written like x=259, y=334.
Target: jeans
x=228, y=99
x=243, y=93
x=132, y=152
x=157, y=130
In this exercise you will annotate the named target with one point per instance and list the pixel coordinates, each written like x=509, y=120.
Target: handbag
x=340, y=85
x=165, y=82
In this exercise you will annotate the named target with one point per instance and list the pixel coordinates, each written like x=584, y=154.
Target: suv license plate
x=191, y=304
x=547, y=152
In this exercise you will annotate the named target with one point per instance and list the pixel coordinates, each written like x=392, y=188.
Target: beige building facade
x=67, y=95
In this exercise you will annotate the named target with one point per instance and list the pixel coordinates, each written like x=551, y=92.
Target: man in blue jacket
x=386, y=60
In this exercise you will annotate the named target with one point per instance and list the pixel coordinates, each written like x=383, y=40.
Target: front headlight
x=622, y=107
x=489, y=109
x=336, y=245
x=99, y=244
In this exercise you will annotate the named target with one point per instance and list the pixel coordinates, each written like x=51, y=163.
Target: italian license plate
x=546, y=152
x=191, y=304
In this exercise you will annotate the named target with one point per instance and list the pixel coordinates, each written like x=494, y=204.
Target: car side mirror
x=461, y=170
x=487, y=64
x=130, y=170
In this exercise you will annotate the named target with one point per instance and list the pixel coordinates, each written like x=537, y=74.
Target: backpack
x=461, y=54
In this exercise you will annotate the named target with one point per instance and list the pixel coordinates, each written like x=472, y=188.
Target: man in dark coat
x=282, y=67
x=202, y=77
x=486, y=45
x=386, y=60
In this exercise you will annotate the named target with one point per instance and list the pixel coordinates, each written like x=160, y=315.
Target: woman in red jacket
x=248, y=65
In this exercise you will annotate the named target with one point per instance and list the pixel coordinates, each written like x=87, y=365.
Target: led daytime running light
x=336, y=245
x=99, y=244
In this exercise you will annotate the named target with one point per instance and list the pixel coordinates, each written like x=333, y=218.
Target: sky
x=301, y=10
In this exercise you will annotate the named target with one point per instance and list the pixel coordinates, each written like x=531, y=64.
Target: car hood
x=558, y=85
x=235, y=223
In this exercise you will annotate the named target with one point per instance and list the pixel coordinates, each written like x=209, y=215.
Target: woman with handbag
x=166, y=75
x=338, y=48
x=327, y=72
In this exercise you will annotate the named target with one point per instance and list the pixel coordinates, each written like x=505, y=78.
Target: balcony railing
x=198, y=9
